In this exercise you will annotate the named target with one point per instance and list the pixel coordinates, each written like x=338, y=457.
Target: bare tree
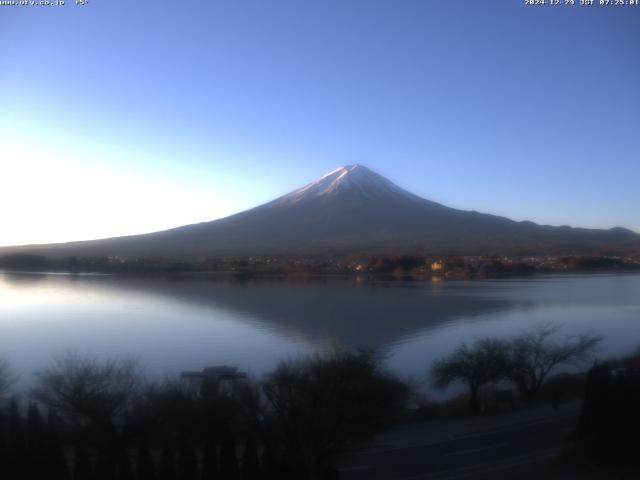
x=317, y=406
x=475, y=365
x=85, y=390
x=536, y=353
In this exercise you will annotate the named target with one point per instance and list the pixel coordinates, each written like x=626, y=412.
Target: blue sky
x=124, y=117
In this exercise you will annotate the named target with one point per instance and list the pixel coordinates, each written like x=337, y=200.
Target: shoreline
x=320, y=275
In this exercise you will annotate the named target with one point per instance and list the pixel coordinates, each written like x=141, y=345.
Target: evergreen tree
x=210, y=462
x=4, y=443
x=125, y=471
x=593, y=422
x=274, y=466
x=270, y=469
x=250, y=462
x=167, y=464
x=229, y=468
x=17, y=451
x=36, y=436
x=187, y=462
x=610, y=418
x=58, y=469
x=36, y=444
x=106, y=466
x=82, y=469
x=17, y=438
x=146, y=465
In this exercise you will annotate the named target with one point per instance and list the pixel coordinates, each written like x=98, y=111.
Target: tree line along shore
x=416, y=266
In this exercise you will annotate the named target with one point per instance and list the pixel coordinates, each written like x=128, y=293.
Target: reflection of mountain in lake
x=319, y=311
x=189, y=323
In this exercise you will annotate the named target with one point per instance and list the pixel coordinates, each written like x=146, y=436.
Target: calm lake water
x=188, y=323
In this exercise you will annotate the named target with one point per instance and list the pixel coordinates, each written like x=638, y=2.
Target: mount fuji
x=351, y=210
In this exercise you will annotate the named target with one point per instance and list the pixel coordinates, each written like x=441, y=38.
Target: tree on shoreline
x=526, y=360
x=533, y=355
x=85, y=390
x=483, y=362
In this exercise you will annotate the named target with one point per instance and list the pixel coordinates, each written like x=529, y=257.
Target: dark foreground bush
x=318, y=406
x=610, y=418
x=112, y=427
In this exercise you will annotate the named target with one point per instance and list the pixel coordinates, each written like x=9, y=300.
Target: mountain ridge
x=350, y=209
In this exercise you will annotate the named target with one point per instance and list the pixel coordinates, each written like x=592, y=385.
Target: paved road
x=511, y=451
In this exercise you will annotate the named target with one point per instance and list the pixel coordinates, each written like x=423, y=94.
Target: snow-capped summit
x=350, y=210
x=349, y=181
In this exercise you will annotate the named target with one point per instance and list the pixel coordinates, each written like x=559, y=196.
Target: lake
x=184, y=323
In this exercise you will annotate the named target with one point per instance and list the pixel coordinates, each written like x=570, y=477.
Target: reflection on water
x=180, y=323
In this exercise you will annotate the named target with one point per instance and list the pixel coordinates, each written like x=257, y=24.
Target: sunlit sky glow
x=128, y=117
